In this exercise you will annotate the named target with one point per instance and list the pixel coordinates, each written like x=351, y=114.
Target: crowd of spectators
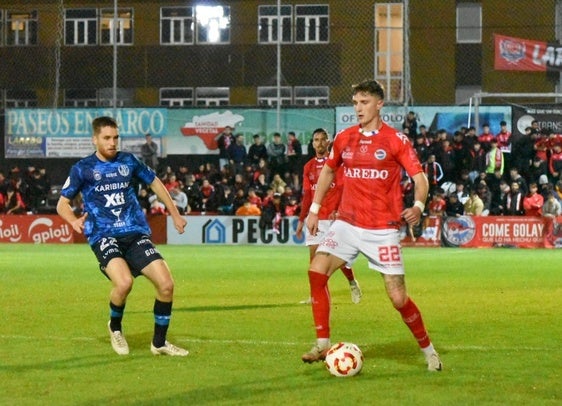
x=482, y=173
x=469, y=173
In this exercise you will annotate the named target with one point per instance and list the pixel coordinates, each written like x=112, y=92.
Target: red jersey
x=372, y=171
x=310, y=174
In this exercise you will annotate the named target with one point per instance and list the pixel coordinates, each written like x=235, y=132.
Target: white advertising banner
x=233, y=230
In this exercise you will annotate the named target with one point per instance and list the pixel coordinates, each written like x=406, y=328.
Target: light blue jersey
x=109, y=195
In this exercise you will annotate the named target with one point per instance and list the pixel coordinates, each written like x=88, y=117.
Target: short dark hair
x=370, y=86
x=103, y=121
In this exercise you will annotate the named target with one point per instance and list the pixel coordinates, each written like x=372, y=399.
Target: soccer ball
x=344, y=359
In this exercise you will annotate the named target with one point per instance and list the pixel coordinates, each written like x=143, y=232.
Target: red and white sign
x=526, y=55
x=35, y=229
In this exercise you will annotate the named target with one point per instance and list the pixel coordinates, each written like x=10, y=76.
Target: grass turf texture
x=494, y=315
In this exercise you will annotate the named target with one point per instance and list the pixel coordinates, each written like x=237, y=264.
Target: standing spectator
x=476, y=161
x=272, y=213
x=410, y=124
x=257, y=152
x=555, y=161
x=421, y=148
x=533, y=202
x=144, y=202
x=494, y=159
x=522, y=150
x=446, y=157
x=276, y=152
x=237, y=154
x=149, y=152
x=38, y=189
x=294, y=158
x=486, y=137
x=224, y=140
x=504, y=143
x=433, y=172
x=369, y=216
x=513, y=204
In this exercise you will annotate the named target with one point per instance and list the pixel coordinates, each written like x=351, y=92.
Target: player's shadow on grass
x=215, y=308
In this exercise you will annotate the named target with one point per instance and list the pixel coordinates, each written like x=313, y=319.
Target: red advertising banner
x=427, y=234
x=503, y=231
x=525, y=55
x=35, y=229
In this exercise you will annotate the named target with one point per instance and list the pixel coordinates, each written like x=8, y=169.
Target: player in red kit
x=373, y=156
x=327, y=214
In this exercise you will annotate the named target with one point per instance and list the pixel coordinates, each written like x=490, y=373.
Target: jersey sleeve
x=73, y=183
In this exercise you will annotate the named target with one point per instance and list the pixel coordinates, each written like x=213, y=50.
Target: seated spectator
x=157, y=208
x=254, y=198
x=533, y=202
x=437, y=204
x=248, y=209
x=12, y=202
x=551, y=207
x=513, y=203
x=272, y=214
x=454, y=207
x=292, y=208
x=239, y=199
x=474, y=205
x=193, y=193
x=180, y=199
x=143, y=197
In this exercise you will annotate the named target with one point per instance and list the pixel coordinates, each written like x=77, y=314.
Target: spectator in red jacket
x=533, y=202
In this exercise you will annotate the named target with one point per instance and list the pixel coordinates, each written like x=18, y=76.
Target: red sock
x=413, y=319
x=348, y=272
x=320, y=303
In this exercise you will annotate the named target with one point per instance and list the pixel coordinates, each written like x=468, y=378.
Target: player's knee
x=124, y=286
x=398, y=300
x=166, y=288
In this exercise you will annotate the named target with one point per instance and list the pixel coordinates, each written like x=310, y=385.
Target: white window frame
x=268, y=22
x=176, y=96
x=80, y=98
x=267, y=95
x=212, y=96
x=21, y=28
x=469, y=23
x=218, y=18
x=312, y=95
x=79, y=27
x=125, y=26
x=389, y=50
x=311, y=26
x=20, y=98
x=181, y=23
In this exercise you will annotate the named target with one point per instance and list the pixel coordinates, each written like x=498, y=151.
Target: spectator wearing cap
x=454, y=207
x=421, y=147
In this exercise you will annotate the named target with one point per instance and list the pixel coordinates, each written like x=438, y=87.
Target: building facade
x=248, y=52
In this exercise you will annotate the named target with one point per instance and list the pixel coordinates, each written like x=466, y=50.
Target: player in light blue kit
x=118, y=232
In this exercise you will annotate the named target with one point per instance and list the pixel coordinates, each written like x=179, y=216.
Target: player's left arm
x=179, y=221
x=413, y=214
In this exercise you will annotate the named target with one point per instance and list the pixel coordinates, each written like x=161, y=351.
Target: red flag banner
x=526, y=55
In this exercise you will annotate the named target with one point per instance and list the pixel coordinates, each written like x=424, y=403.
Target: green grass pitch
x=493, y=314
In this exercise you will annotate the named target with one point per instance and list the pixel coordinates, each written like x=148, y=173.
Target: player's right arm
x=326, y=178
x=64, y=209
